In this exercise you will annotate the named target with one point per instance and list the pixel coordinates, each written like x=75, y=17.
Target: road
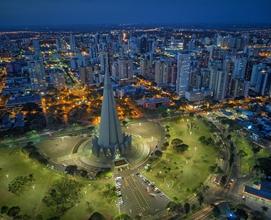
x=202, y=214
x=136, y=198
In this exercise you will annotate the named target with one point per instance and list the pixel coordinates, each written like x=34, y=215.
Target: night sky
x=95, y=12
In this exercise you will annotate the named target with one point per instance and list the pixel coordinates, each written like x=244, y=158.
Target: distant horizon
x=138, y=25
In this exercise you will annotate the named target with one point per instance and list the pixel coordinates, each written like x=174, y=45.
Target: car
x=118, y=178
x=147, y=181
x=152, y=194
x=120, y=201
x=156, y=190
x=118, y=182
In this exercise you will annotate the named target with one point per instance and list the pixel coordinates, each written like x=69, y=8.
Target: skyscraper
x=162, y=72
x=36, y=46
x=103, y=58
x=261, y=79
x=72, y=43
x=183, y=73
x=240, y=68
x=125, y=68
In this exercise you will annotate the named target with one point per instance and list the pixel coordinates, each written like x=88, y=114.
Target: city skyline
x=122, y=110
x=84, y=12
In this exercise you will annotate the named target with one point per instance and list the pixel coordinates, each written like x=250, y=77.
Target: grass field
x=14, y=163
x=248, y=157
x=180, y=174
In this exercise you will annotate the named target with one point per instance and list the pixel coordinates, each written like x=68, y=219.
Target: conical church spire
x=110, y=133
x=110, y=136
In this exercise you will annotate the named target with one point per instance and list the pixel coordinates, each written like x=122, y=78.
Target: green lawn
x=14, y=163
x=180, y=174
x=248, y=159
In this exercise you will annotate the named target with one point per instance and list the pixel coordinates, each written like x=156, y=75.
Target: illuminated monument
x=111, y=140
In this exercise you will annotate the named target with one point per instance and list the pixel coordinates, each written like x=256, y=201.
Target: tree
x=242, y=153
x=202, y=139
x=213, y=168
x=200, y=198
x=96, y=216
x=176, y=141
x=63, y=195
x=13, y=211
x=263, y=165
x=241, y=213
x=181, y=148
x=255, y=148
x=110, y=191
x=83, y=173
x=257, y=215
x=175, y=207
x=166, y=144
x=167, y=136
x=187, y=207
x=30, y=147
x=158, y=153
x=19, y=184
x=265, y=208
x=171, y=205
x=124, y=123
x=71, y=169
x=206, y=141
x=4, y=209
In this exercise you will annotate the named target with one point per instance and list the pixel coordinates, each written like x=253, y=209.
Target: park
x=178, y=173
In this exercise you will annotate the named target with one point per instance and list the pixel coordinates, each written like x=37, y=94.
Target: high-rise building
x=158, y=72
x=143, y=44
x=146, y=69
x=86, y=75
x=221, y=84
x=240, y=68
x=183, y=73
x=103, y=57
x=72, y=43
x=261, y=79
x=58, y=44
x=36, y=46
x=37, y=75
x=93, y=53
x=122, y=69
x=238, y=88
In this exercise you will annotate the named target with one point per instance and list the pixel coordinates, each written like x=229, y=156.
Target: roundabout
x=76, y=150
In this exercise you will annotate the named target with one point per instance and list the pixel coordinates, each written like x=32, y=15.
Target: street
x=138, y=199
